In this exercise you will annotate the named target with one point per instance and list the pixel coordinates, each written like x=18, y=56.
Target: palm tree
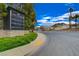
x=70, y=17
x=76, y=17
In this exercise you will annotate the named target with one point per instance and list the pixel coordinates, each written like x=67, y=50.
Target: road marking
x=39, y=43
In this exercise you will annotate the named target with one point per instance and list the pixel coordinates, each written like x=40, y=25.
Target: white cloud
x=64, y=16
x=48, y=17
x=40, y=24
x=69, y=4
x=66, y=22
x=43, y=21
x=48, y=24
x=53, y=20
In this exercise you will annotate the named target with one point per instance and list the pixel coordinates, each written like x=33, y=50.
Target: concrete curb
x=27, y=49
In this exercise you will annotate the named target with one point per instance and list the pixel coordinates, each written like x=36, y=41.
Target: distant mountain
x=59, y=24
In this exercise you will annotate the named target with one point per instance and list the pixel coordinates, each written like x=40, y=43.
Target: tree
x=76, y=17
x=30, y=16
x=3, y=13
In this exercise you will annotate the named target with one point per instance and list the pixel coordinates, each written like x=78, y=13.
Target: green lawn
x=12, y=42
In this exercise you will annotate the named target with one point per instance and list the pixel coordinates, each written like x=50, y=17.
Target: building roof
x=11, y=8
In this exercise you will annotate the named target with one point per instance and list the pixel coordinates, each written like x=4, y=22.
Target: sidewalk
x=27, y=49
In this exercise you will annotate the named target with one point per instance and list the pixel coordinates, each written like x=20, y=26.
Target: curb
x=28, y=49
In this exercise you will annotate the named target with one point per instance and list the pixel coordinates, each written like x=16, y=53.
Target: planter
x=28, y=49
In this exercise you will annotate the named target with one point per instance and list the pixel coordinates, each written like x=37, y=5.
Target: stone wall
x=10, y=33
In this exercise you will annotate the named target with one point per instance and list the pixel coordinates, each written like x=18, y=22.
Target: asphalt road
x=60, y=44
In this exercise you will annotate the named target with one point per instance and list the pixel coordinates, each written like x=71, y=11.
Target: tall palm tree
x=70, y=17
x=76, y=18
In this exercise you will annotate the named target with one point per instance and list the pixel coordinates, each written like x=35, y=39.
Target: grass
x=12, y=42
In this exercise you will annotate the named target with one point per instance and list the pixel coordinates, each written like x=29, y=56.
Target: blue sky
x=48, y=13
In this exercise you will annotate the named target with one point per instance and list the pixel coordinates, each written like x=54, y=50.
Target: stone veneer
x=11, y=33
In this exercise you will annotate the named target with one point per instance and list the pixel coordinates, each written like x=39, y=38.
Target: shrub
x=12, y=42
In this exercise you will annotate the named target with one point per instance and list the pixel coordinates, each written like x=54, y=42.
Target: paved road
x=60, y=44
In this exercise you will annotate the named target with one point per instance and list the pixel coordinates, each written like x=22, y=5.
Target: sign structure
x=15, y=19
